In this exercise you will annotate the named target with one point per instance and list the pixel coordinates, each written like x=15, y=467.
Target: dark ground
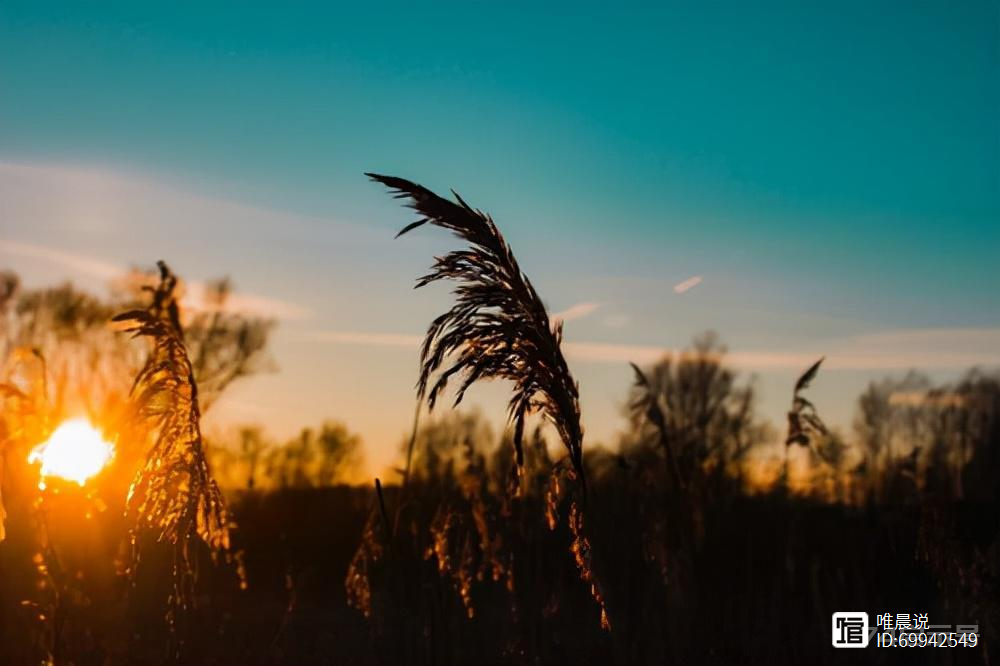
x=758, y=587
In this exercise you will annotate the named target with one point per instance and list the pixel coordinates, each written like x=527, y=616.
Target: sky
x=803, y=178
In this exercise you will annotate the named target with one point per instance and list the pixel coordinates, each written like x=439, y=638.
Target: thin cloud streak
x=103, y=200
x=75, y=262
x=195, y=293
x=690, y=283
x=773, y=360
x=196, y=298
x=363, y=339
x=577, y=311
x=849, y=354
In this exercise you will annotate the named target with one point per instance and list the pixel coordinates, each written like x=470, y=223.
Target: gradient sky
x=831, y=173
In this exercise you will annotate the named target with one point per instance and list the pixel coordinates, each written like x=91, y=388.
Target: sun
x=75, y=452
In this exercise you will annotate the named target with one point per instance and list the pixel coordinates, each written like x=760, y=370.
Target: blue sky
x=831, y=172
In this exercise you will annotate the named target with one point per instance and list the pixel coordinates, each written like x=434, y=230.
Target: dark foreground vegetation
x=757, y=586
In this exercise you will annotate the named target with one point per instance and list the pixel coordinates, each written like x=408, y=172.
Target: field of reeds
x=525, y=546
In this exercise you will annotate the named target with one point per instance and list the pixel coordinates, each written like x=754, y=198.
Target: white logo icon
x=850, y=630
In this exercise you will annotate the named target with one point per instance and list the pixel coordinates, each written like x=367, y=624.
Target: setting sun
x=75, y=451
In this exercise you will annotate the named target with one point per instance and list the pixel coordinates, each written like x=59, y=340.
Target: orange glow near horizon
x=75, y=451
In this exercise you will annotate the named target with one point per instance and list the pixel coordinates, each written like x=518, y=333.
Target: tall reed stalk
x=498, y=328
x=173, y=495
x=804, y=422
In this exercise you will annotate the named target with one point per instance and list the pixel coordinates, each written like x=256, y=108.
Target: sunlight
x=75, y=452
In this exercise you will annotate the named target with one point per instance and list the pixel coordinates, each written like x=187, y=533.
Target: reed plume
x=467, y=540
x=645, y=404
x=804, y=421
x=26, y=410
x=173, y=493
x=498, y=327
x=364, y=565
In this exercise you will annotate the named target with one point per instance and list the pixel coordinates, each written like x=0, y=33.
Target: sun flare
x=75, y=452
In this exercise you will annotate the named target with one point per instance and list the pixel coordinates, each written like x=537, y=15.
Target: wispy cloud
x=195, y=293
x=965, y=338
x=88, y=266
x=196, y=297
x=856, y=353
x=932, y=399
x=576, y=311
x=362, y=338
x=690, y=283
x=598, y=352
x=102, y=201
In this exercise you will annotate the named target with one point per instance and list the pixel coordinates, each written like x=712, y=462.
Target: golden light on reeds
x=75, y=451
